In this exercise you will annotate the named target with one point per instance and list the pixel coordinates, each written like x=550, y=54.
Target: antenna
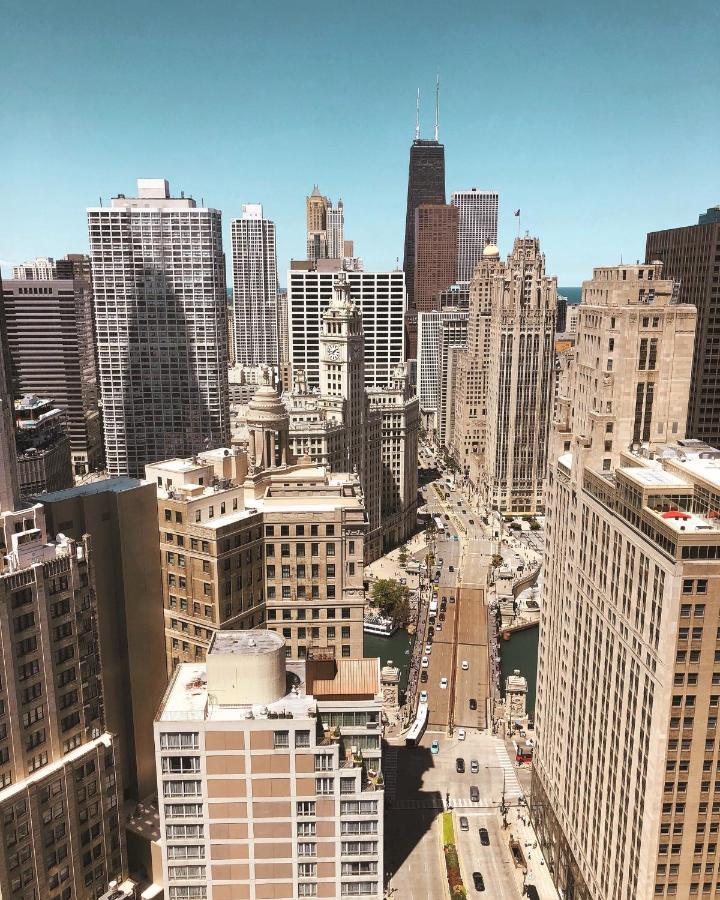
x=437, y=106
x=417, y=116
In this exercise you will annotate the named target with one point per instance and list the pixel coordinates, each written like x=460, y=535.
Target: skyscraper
x=624, y=796
x=255, y=288
x=436, y=253
x=380, y=297
x=477, y=227
x=160, y=312
x=51, y=341
x=690, y=256
x=336, y=231
x=316, y=213
x=430, y=341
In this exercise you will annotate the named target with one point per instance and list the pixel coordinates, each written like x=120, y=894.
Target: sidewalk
x=537, y=872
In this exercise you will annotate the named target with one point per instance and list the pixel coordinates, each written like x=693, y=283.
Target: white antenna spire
x=417, y=116
x=437, y=106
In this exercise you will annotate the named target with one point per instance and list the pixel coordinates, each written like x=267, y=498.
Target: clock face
x=333, y=352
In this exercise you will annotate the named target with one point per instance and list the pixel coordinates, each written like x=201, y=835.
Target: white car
x=424, y=662
x=465, y=665
x=423, y=696
x=443, y=683
x=461, y=734
x=428, y=649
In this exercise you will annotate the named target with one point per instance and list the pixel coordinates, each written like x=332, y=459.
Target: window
x=281, y=739
x=307, y=849
x=302, y=738
x=324, y=785
x=305, y=808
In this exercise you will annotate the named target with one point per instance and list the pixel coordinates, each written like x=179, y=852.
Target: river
x=520, y=652
x=391, y=648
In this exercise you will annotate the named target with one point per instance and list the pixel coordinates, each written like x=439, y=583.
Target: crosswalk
x=460, y=803
x=513, y=791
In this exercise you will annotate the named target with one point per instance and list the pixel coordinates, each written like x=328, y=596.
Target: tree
x=497, y=560
x=430, y=531
x=392, y=599
x=403, y=555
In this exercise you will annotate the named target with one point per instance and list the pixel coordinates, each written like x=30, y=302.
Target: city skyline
x=569, y=180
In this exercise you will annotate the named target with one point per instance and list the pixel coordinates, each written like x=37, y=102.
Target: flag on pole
x=517, y=212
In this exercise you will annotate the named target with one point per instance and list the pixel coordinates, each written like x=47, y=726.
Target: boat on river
x=380, y=625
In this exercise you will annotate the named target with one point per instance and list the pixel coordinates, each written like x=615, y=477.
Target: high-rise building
x=269, y=774
x=42, y=268
x=712, y=216
x=316, y=214
x=519, y=381
x=690, y=256
x=283, y=328
x=160, y=315
x=477, y=227
x=426, y=185
x=51, y=340
x=436, y=250
x=335, y=231
x=43, y=446
x=431, y=331
x=380, y=297
x=255, y=325
x=628, y=676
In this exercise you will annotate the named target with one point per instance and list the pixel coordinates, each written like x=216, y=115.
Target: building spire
x=437, y=106
x=417, y=116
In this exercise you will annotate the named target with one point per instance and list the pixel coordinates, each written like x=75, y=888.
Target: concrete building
x=572, y=315
x=436, y=327
x=380, y=297
x=336, y=230
x=690, y=256
x=50, y=336
x=160, y=315
x=436, y=253
x=627, y=690
x=261, y=796
x=283, y=327
x=477, y=227
x=220, y=515
x=42, y=268
x=43, y=446
x=316, y=206
x=255, y=304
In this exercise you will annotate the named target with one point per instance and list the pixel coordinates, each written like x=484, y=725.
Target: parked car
x=473, y=703
x=474, y=793
x=423, y=677
x=474, y=766
x=443, y=683
x=460, y=765
x=471, y=521
x=478, y=881
x=423, y=696
x=451, y=568
x=428, y=649
x=464, y=826
x=439, y=626
x=424, y=662
x=452, y=598
x=465, y=665
x=461, y=734
x=484, y=837
x=435, y=747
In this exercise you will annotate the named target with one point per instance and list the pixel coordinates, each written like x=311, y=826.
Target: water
x=391, y=648
x=520, y=652
x=572, y=293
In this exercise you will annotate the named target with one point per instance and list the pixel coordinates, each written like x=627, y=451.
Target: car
x=423, y=696
x=439, y=626
x=442, y=618
x=484, y=837
x=430, y=633
x=461, y=734
x=443, y=683
x=473, y=703
x=423, y=677
x=474, y=793
x=428, y=649
x=403, y=581
x=478, y=881
x=451, y=568
x=460, y=765
x=452, y=598
x=424, y=662
x=465, y=665
x=459, y=503
x=447, y=517
x=435, y=747
x=443, y=599
x=441, y=561
x=464, y=826
x=474, y=766
x=471, y=521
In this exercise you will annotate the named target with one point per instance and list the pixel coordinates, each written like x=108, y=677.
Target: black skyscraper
x=426, y=184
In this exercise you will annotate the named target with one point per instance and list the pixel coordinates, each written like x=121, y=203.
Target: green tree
x=391, y=599
x=497, y=560
x=403, y=555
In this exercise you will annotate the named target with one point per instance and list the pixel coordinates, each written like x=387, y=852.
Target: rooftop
x=338, y=678
x=116, y=485
x=245, y=642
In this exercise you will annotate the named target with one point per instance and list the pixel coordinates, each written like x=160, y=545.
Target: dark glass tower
x=426, y=184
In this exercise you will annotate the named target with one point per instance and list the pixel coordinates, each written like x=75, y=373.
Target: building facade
x=380, y=297
x=336, y=230
x=436, y=253
x=622, y=796
x=691, y=256
x=477, y=227
x=50, y=336
x=255, y=292
x=43, y=446
x=431, y=334
x=160, y=315
x=42, y=268
x=259, y=798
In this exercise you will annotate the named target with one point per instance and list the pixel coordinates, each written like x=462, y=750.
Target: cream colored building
x=261, y=795
x=624, y=797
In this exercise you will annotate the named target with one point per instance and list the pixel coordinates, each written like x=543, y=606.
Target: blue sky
x=601, y=121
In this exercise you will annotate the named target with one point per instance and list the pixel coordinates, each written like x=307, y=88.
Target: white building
x=160, y=312
x=432, y=326
x=42, y=268
x=477, y=227
x=335, y=230
x=255, y=288
x=380, y=297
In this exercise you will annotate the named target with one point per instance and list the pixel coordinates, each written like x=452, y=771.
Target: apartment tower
x=625, y=796
x=477, y=227
x=160, y=314
x=255, y=288
x=691, y=256
x=261, y=797
x=436, y=253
